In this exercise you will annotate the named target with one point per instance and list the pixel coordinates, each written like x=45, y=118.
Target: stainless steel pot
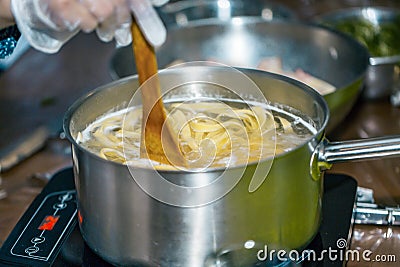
x=328, y=55
x=126, y=226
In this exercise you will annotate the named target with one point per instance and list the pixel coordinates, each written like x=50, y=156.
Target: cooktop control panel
x=40, y=233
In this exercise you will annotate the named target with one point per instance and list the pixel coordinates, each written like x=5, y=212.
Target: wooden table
x=39, y=88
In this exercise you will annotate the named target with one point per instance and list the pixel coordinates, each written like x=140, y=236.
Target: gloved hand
x=48, y=24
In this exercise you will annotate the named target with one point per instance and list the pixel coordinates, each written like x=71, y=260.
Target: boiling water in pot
x=211, y=133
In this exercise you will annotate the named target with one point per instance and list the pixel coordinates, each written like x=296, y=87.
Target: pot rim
x=310, y=91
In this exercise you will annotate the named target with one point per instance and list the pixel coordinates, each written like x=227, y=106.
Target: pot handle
x=352, y=150
x=328, y=153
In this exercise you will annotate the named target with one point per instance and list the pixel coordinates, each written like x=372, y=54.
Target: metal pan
x=324, y=53
x=374, y=27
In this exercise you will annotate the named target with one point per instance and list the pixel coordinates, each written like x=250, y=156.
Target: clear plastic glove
x=48, y=24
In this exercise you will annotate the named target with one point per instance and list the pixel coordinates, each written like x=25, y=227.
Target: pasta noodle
x=211, y=134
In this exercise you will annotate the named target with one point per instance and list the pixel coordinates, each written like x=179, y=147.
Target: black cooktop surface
x=48, y=233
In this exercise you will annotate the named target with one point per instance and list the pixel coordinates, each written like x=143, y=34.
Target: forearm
x=6, y=17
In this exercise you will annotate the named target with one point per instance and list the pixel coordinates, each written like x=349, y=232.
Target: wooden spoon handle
x=154, y=125
x=146, y=65
x=145, y=58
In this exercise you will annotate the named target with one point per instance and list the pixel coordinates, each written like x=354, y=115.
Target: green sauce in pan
x=382, y=40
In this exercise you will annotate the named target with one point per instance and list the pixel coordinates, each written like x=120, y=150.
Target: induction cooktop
x=48, y=233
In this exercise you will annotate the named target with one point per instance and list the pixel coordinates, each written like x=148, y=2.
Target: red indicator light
x=48, y=223
x=80, y=218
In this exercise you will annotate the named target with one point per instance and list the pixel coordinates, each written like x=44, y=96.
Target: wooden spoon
x=158, y=138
